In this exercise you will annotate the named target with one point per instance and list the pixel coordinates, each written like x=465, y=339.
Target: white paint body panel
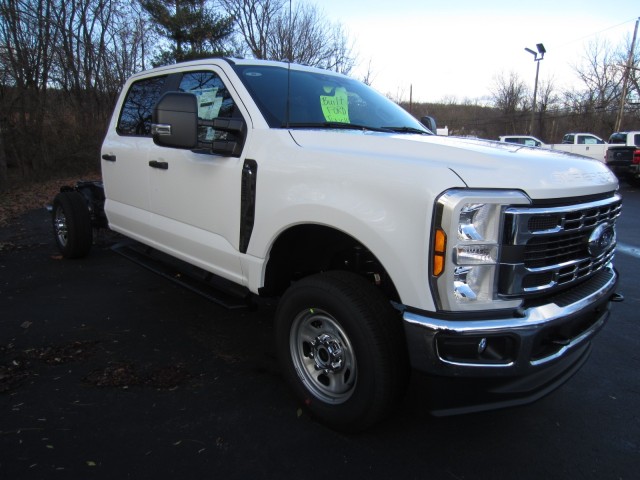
x=379, y=188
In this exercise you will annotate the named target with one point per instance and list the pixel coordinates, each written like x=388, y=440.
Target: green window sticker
x=335, y=108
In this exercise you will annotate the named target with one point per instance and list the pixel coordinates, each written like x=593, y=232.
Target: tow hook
x=617, y=297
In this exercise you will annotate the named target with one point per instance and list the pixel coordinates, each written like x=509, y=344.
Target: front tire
x=72, y=225
x=342, y=349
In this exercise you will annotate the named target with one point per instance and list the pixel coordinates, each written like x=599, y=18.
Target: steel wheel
x=323, y=356
x=71, y=223
x=341, y=348
x=60, y=230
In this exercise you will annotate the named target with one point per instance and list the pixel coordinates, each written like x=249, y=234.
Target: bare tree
x=510, y=96
x=592, y=107
x=62, y=64
x=4, y=180
x=26, y=39
x=547, y=102
x=254, y=20
x=273, y=30
x=369, y=75
x=601, y=74
x=129, y=47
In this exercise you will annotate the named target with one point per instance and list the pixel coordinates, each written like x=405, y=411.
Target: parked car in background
x=585, y=144
x=623, y=156
x=522, y=140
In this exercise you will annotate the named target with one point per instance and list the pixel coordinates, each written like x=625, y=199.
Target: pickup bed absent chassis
x=386, y=247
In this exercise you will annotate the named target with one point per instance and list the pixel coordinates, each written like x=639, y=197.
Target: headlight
x=466, y=248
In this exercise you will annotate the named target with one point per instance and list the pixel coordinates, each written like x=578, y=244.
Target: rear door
x=125, y=151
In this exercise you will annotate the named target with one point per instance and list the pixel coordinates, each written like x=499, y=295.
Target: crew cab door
x=125, y=152
x=194, y=194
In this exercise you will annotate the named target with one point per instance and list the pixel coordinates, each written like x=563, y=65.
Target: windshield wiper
x=355, y=126
x=405, y=130
x=337, y=125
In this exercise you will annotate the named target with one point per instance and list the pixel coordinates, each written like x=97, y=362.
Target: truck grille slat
x=554, y=245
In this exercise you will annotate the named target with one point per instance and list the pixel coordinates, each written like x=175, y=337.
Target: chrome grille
x=545, y=248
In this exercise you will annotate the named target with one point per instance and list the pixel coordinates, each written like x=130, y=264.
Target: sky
x=454, y=49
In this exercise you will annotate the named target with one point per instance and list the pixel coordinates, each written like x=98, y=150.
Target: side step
x=214, y=288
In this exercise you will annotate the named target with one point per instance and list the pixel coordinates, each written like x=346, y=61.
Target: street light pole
x=625, y=78
x=541, y=51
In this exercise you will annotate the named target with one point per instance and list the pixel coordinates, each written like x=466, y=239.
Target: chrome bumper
x=532, y=341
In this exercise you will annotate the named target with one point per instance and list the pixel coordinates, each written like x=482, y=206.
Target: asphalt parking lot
x=109, y=371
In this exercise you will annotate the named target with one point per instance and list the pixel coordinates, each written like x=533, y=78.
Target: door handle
x=160, y=165
x=109, y=157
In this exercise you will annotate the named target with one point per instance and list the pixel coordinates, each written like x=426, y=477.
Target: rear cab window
x=618, y=138
x=589, y=140
x=135, y=116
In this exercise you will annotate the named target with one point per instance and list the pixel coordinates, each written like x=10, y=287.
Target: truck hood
x=478, y=163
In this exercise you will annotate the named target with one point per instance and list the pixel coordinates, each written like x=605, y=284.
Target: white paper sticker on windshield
x=208, y=103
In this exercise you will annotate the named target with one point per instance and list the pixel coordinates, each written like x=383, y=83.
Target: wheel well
x=307, y=249
x=93, y=193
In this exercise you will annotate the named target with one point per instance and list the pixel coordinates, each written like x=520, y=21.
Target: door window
x=135, y=116
x=214, y=101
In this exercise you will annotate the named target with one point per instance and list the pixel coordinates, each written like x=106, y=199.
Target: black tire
x=72, y=225
x=342, y=349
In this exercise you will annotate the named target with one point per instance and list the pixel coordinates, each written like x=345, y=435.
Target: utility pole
x=541, y=51
x=625, y=78
x=411, y=98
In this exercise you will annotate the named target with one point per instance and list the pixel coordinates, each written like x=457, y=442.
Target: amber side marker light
x=439, y=245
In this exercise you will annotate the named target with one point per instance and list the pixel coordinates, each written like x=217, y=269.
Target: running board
x=214, y=288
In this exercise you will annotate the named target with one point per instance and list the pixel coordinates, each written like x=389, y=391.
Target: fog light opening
x=480, y=350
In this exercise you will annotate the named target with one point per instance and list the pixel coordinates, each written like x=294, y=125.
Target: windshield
x=322, y=100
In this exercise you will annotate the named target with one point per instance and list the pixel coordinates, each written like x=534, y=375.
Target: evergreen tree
x=194, y=29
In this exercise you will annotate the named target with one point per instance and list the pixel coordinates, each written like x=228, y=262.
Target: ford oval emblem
x=601, y=239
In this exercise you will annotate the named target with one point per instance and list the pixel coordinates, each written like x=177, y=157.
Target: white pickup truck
x=585, y=144
x=387, y=247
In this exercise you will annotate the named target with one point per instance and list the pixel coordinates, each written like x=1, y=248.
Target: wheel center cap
x=327, y=353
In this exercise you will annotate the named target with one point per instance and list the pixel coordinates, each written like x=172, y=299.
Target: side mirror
x=175, y=121
x=228, y=145
x=175, y=124
x=430, y=123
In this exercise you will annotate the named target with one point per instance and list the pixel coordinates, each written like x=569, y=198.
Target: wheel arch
x=306, y=249
x=93, y=194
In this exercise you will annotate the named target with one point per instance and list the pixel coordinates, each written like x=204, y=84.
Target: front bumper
x=539, y=339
